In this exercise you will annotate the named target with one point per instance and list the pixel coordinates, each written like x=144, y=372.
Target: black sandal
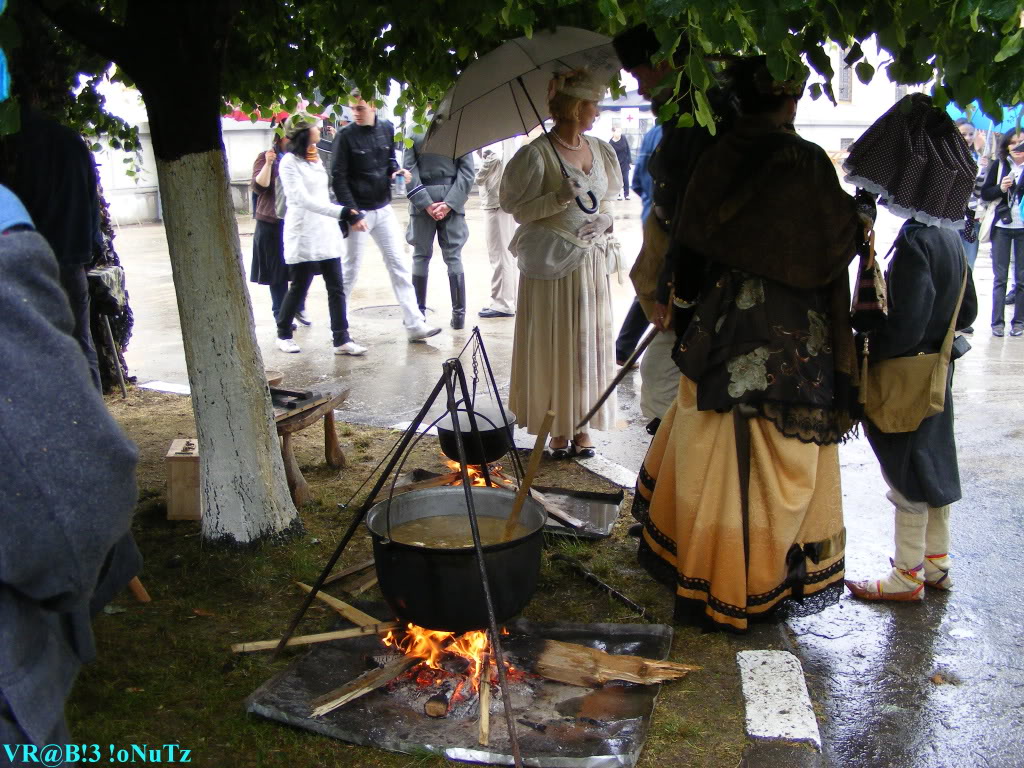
x=557, y=454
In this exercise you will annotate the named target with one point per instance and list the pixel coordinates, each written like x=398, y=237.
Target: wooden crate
x=183, y=480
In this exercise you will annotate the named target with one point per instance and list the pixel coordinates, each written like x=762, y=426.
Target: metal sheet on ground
x=560, y=726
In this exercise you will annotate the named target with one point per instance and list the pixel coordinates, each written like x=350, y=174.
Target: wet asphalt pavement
x=938, y=684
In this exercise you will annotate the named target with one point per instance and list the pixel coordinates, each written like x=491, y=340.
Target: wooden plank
x=590, y=668
x=430, y=482
x=348, y=571
x=304, y=418
x=321, y=637
x=350, y=612
x=366, y=682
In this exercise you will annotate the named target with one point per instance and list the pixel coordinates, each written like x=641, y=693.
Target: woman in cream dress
x=563, y=355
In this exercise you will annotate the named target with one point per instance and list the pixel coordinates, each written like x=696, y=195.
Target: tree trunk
x=243, y=489
x=175, y=53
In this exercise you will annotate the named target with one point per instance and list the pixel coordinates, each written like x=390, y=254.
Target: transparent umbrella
x=504, y=92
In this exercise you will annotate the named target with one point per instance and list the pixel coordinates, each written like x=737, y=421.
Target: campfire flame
x=476, y=477
x=432, y=645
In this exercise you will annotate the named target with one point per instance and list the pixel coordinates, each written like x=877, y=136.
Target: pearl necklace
x=560, y=140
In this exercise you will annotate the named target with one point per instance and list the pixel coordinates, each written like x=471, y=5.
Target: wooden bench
x=291, y=421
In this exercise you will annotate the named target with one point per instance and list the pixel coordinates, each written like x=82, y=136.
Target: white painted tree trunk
x=244, y=492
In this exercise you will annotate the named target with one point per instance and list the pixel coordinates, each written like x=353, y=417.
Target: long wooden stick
x=358, y=590
x=366, y=682
x=556, y=511
x=349, y=612
x=531, y=471
x=322, y=637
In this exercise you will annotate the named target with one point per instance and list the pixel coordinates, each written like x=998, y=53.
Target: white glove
x=570, y=188
x=595, y=227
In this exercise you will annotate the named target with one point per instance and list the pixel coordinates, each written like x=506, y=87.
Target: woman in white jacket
x=313, y=238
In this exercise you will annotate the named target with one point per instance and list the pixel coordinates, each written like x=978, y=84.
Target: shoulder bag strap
x=947, y=343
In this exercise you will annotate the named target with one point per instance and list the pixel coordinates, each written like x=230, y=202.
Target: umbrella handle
x=593, y=203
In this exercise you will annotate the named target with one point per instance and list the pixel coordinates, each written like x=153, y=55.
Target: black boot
x=419, y=284
x=457, y=284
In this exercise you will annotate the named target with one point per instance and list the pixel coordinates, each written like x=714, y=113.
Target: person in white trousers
x=364, y=164
x=499, y=227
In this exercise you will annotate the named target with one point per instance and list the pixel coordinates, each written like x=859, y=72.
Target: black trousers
x=1003, y=240
x=633, y=327
x=624, y=167
x=301, y=275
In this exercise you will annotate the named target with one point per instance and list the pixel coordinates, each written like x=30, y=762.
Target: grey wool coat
x=66, y=501
x=923, y=282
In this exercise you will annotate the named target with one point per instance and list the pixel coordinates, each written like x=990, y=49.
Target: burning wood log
x=436, y=706
x=366, y=682
x=322, y=637
x=349, y=612
x=590, y=668
x=484, y=736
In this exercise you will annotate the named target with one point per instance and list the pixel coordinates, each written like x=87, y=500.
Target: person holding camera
x=1003, y=184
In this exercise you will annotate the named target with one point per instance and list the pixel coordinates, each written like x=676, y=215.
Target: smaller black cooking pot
x=493, y=435
x=440, y=588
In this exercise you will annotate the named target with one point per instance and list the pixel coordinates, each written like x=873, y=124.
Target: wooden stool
x=291, y=422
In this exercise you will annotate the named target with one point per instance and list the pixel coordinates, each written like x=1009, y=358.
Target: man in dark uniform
x=437, y=196
x=670, y=166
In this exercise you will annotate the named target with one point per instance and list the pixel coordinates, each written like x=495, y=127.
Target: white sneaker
x=287, y=345
x=422, y=331
x=303, y=318
x=350, y=348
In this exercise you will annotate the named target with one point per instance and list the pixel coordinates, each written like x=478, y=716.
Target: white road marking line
x=775, y=693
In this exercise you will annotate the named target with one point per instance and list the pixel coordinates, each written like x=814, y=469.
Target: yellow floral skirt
x=688, y=499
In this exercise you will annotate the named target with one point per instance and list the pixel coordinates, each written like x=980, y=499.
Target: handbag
x=901, y=392
x=280, y=201
x=985, y=231
x=869, y=299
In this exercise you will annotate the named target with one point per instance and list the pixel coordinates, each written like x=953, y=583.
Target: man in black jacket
x=364, y=165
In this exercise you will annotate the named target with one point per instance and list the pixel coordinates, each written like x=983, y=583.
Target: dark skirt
x=268, y=267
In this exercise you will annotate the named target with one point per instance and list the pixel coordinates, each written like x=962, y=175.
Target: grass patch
x=165, y=673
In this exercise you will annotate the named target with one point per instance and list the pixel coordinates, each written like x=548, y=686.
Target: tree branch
x=95, y=32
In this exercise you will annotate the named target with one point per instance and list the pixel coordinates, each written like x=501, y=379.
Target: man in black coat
x=621, y=146
x=364, y=164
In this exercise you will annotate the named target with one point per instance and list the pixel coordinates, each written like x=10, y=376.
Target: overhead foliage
x=280, y=51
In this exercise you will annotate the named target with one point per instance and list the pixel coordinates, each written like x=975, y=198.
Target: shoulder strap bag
x=901, y=392
x=985, y=231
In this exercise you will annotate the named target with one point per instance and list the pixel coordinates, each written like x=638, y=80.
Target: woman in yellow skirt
x=739, y=495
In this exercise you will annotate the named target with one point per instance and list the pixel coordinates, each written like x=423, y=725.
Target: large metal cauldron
x=440, y=588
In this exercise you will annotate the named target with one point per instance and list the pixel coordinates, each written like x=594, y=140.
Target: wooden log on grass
x=322, y=637
x=348, y=571
x=590, y=668
x=360, y=686
x=349, y=612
